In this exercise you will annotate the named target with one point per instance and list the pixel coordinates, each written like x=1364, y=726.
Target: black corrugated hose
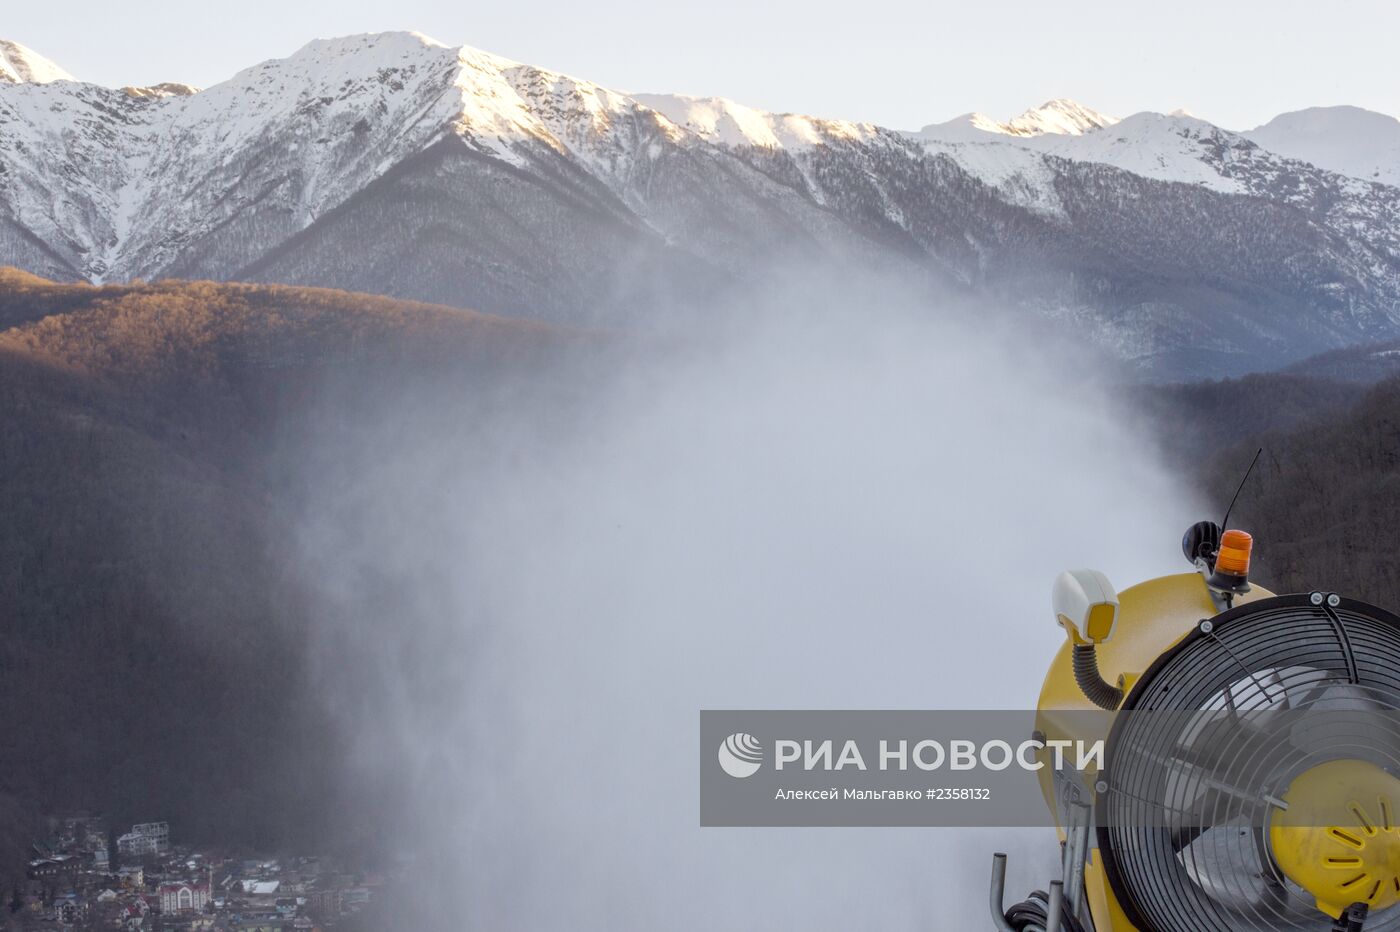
x=1032, y=914
x=1086, y=674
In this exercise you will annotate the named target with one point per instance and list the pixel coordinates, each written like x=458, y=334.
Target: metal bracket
x=1328, y=602
x=999, y=893
x=1076, y=854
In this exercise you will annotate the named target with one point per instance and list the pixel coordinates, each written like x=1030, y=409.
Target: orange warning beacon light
x=1231, y=570
x=1235, y=549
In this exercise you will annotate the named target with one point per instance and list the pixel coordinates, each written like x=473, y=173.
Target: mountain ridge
x=1060, y=116
x=393, y=163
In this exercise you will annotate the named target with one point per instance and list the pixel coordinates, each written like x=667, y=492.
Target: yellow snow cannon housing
x=1148, y=619
x=1258, y=830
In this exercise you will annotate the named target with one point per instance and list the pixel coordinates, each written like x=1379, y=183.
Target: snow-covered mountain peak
x=419, y=90
x=22, y=65
x=388, y=44
x=717, y=119
x=966, y=127
x=1318, y=121
x=157, y=167
x=1059, y=117
x=1350, y=140
x=1178, y=122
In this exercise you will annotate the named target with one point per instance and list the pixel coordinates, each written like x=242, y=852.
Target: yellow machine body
x=1151, y=618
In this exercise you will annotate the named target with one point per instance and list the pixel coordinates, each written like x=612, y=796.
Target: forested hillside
x=1322, y=499
x=150, y=634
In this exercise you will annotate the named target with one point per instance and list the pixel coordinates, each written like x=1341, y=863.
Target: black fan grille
x=1209, y=868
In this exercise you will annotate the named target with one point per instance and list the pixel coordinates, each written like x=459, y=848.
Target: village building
x=183, y=897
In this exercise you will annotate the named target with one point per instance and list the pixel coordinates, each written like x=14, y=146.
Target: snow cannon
x=1248, y=779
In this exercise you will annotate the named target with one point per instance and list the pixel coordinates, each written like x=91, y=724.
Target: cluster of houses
x=83, y=877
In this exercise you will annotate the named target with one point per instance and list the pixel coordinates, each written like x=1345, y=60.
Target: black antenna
x=1225, y=522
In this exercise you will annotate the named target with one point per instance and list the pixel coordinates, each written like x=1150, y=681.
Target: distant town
x=88, y=874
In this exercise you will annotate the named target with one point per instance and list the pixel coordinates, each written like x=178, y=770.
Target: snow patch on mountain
x=1155, y=145
x=166, y=89
x=1356, y=142
x=22, y=65
x=1020, y=175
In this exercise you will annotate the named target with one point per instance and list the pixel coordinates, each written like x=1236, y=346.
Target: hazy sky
x=900, y=64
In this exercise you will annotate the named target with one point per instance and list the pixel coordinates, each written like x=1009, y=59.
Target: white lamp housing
x=1086, y=605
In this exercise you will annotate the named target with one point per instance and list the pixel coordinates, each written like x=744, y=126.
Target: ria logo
x=741, y=755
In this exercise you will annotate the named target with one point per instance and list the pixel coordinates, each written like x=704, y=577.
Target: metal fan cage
x=1214, y=731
